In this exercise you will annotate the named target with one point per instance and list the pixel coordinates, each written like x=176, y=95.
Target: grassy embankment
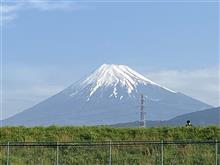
x=146, y=154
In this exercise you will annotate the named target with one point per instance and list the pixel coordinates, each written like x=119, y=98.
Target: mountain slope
x=109, y=95
x=205, y=117
x=199, y=118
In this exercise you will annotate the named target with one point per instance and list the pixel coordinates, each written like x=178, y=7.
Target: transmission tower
x=142, y=113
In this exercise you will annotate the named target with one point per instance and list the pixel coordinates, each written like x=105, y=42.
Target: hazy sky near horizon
x=48, y=45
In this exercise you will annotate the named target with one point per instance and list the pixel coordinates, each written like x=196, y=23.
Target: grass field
x=187, y=154
x=102, y=133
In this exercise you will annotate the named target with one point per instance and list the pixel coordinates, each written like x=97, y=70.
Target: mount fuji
x=110, y=95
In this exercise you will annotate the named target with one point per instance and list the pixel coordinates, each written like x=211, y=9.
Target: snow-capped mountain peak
x=111, y=75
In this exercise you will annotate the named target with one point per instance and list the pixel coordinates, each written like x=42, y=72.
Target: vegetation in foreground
x=102, y=133
x=189, y=154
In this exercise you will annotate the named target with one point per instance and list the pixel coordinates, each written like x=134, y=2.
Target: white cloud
x=18, y=99
x=8, y=13
x=8, y=18
x=49, y=5
x=202, y=84
x=9, y=10
x=25, y=86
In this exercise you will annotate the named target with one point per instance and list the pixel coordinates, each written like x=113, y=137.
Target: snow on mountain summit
x=111, y=75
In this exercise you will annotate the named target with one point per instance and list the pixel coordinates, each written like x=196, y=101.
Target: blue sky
x=47, y=46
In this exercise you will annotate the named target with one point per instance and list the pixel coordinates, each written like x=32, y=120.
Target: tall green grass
x=55, y=133
x=147, y=154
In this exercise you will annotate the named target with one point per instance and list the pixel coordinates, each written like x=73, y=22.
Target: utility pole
x=142, y=113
